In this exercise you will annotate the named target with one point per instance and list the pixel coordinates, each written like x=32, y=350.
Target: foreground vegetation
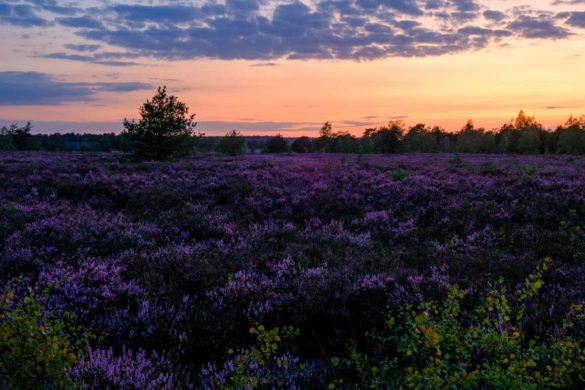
x=314, y=271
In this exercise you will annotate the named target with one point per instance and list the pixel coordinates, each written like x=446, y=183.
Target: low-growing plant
x=35, y=351
x=437, y=345
x=488, y=167
x=456, y=161
x=262, y=365
x=531, y=170
x=276, y=144
x=233, y=143
x=399, y=174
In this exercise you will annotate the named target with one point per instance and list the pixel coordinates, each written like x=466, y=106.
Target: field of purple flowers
x=275, y=271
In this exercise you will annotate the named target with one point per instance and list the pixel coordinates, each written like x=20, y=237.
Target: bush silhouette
x=302, y=145
x=276, y=144
x=164, y=131
x=233, y=144
x=19, y=138
x=5, y=140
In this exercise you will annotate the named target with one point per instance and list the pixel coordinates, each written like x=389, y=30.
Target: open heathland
x=308, y=271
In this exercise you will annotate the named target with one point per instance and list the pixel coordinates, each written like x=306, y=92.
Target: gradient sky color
x=268, y=66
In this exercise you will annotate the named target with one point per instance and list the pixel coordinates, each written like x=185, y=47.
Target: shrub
x=259, y=366
x=5, y=140
x=399, y=174
x=35, y=352
x=438, y=345
x=276, y=144
x=232, y=144
x=302, y=145
x=456, y=161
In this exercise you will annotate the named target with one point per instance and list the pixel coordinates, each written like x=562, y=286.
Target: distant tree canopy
x=276, y=144
x=232, y=144
x=164, y=131
x=302, y=145
x=522, y=134
x=16, y=137
x=5, y=140
x=571, y=136
x=385, y=139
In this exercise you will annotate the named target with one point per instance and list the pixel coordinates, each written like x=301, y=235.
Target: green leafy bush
x=456, y=161
x=438, y=346
x=276, y=144
x=35, y=352
x=399, y=174
x=233, y=144
x=262, y=365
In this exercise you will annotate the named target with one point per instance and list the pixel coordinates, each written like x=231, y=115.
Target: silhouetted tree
x=529, y=141
x=419, y=139
x=21, y=137
x=325, y=140
x=343, y=142
x=469, y=139
x=276, y=144
x=385, y=139
x=165, y=129
x=233, y=144
x=445, y=141
x=530, y=134
x=5, y=140
x=571, y=136
x=302, y=145
x=326, y=130
x=472, y=140
x=507, y=139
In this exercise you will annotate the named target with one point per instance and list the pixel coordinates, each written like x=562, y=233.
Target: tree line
x=523, y=135
x=166, y=130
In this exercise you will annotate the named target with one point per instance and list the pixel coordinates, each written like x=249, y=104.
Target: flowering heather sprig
x=102, y=369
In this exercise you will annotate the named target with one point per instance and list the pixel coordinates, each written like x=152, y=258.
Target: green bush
x=276, y=144
x=261, y=365
x=6, y=143
x=440, y=346
x=35, y=352
x=399, y=174
x=302, y=145
x=456, y=161
x=233, y=144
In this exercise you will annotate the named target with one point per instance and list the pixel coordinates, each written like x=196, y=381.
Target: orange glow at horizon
x=489, y=86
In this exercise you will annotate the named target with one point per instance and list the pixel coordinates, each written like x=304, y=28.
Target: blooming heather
x=180, y=259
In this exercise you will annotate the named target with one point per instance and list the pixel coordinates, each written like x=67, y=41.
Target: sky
x=287, y=66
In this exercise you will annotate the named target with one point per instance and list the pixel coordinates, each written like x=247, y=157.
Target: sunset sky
x=268, y=66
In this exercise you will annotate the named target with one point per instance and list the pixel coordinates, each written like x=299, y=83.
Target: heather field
x=314, y=271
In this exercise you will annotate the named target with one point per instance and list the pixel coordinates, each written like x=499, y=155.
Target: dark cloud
x=21, y=15
x=264, y=65
x=266, y=30
x=140, y=14
x=496, y=16
x=94, y=59
x=577, y=19
x=82, y=47
x=570, y=2
x=537, y=27
x=80, y=22
x=33, y=88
